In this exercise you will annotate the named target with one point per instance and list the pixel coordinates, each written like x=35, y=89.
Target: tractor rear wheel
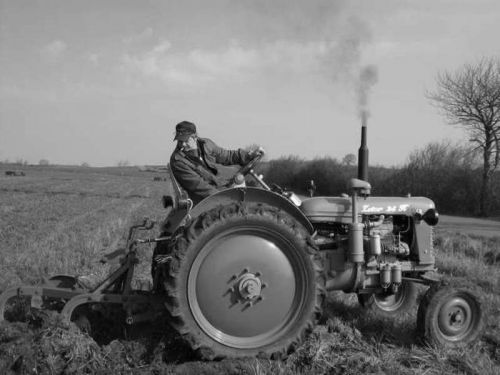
x=449, y=316
x=391, y=304
x=244, y=280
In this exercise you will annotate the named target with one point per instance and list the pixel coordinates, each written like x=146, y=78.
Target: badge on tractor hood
x=395, y=205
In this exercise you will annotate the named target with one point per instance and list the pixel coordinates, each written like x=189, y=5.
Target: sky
x=104, y=81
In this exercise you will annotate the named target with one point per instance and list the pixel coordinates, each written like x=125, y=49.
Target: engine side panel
x=424, y=243
x=338, y=209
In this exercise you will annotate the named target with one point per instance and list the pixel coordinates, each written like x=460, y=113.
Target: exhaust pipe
x=363, y=150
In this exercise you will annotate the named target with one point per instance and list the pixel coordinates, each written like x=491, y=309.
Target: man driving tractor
x=195, y=161
x=196, y=165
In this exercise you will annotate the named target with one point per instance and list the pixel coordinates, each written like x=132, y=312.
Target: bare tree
x=470, y=97
x=123, y=163
x=349, y=159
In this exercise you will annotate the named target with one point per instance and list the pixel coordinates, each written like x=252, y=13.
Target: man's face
x=191, y=143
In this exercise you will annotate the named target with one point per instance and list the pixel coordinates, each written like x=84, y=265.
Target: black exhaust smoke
x=363, y=150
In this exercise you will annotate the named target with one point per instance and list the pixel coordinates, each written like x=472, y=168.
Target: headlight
x=431, y=217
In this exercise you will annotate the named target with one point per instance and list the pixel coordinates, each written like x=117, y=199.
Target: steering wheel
x=250, y=165
x=239, y=177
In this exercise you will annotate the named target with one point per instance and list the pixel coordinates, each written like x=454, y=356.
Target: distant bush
x=448, y=174
x=283, y=171
x=294, y=173
x=328, y=174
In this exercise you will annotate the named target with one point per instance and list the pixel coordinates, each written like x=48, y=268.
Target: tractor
x=245, y=272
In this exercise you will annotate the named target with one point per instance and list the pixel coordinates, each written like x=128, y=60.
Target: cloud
x=94, y=58
x=140, y=37
x=54, y=51
x=337, y=58
x=192, y=68
x=233, y=62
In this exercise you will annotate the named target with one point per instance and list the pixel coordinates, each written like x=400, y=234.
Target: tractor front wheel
x=391, y=304
x=244, y=280
x=449, y=316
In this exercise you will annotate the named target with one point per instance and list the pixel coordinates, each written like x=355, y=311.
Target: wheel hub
x=455, y=318
x=249, y=286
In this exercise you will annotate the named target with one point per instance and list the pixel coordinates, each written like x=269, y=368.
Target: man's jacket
x=199, y=174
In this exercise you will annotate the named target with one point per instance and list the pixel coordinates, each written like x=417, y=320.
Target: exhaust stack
x=363, y=150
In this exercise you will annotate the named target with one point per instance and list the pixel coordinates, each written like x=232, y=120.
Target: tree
x=470, y=97
x=349, y=159
x=123, y=163
x=444, y=172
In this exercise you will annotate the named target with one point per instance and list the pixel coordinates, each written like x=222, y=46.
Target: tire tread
x=190, y=235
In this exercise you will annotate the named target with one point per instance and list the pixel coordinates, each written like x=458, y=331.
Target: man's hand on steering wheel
x=255, y=155
x=257, y=151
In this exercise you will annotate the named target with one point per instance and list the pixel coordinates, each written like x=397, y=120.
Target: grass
x=61, y=220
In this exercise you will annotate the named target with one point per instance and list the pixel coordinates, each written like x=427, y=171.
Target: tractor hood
x=338, y=209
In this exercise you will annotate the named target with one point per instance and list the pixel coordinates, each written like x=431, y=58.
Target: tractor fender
x=251, y=194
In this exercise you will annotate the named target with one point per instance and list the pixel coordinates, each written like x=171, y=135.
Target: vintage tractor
x=245, y=272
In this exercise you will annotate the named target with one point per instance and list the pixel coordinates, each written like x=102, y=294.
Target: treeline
x=448, y=174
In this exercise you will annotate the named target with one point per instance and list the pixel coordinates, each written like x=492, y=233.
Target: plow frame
x=138, y=305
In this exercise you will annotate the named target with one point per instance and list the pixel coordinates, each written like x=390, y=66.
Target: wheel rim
x=392, y=302
x=247, y=286
x=457, y=317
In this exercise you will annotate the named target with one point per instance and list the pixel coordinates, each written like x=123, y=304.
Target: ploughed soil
x=43, y=344
x=349, y=341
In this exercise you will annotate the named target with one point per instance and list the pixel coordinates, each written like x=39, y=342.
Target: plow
x=74, y=299
x=246, y=271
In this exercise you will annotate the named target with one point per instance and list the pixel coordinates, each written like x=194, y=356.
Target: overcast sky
x=100, y=81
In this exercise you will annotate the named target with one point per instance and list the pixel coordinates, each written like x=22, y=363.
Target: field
x=59, y=220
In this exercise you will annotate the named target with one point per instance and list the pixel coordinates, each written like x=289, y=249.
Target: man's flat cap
x=183, y=130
